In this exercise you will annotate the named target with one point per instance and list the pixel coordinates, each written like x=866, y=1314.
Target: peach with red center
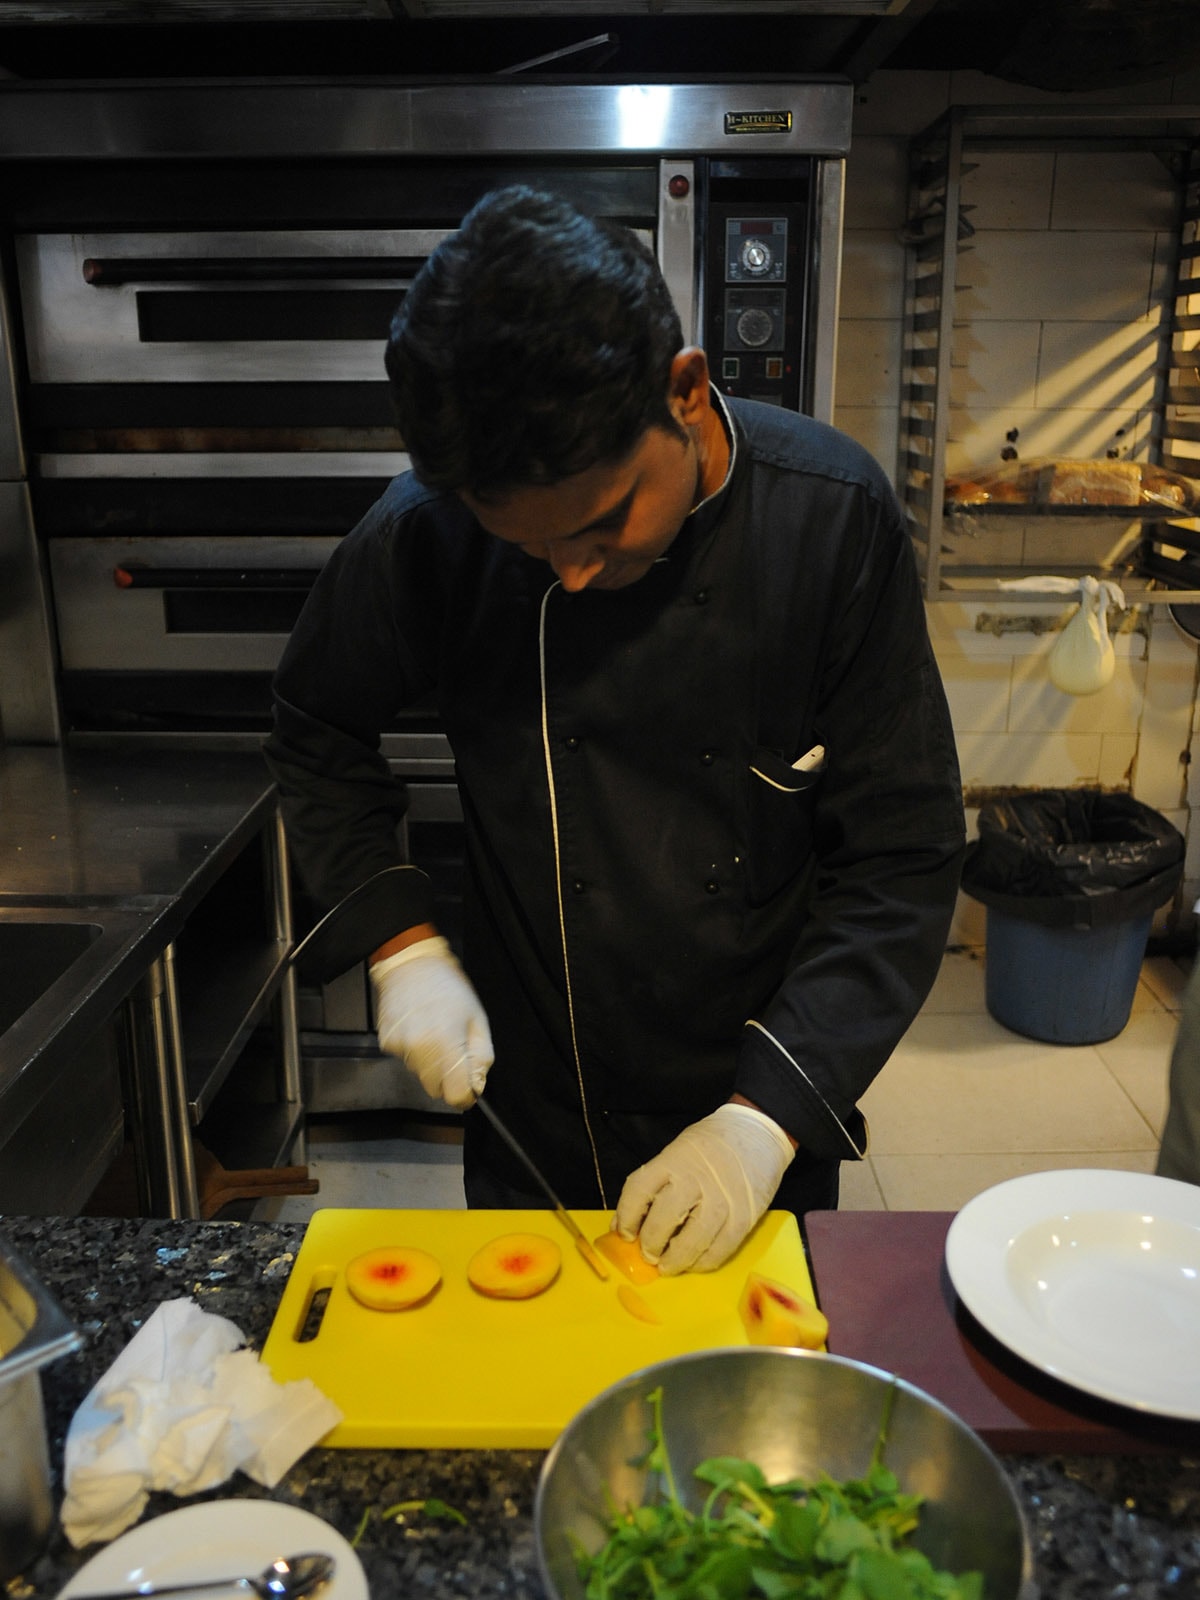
x=514, y=1266
x=392, y=1277
x=773, y=1314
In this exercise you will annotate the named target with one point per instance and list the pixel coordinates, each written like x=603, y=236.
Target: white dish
x=1091, y=1276
x=219, y=1539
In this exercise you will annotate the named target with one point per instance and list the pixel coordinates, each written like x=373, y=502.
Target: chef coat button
x=579, y=887
x=701, y=597
x=707, y=758
x=572, y=742
x=712, y=887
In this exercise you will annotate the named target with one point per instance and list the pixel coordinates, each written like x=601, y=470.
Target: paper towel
x=182, y=1408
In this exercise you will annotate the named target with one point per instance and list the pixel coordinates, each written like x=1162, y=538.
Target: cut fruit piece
x=635, y=1305
x=626, y=1255
x=774, y=1314
x=393, y=1277
x=515, y=1266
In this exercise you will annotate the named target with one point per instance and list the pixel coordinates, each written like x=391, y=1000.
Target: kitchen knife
x=582, y=1243
x=335, y=943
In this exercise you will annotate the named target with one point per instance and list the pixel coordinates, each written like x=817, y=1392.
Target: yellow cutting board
x=466, y=1370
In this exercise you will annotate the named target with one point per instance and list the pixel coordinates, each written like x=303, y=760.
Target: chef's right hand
x=427, y=1013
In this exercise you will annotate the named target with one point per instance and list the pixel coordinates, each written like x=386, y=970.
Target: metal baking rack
x=1161, y=550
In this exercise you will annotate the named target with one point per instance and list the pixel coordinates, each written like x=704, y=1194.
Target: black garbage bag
x=1073, y=857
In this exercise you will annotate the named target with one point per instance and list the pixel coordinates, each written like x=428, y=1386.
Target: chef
x=713, y=813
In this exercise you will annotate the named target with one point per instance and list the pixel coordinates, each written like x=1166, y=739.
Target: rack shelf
x=222, y=999
x=226, y=990
x=938, y=230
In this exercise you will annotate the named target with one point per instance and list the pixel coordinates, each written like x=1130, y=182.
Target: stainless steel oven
x=197, y=285
x=200, y=280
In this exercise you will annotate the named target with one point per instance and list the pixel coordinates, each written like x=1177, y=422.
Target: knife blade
x=582, y=1243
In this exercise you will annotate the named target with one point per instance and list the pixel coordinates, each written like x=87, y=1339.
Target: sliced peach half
x=515, y=1266
x=626, y=1255
x=392, y=1277
x=774, y=1314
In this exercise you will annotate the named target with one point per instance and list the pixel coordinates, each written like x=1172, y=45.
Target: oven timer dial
x=755, y=327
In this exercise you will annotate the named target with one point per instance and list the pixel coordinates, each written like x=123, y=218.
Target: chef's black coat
x=660, y=908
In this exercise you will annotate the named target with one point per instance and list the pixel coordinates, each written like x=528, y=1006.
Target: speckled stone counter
x=109, y=1275
x=1102, y=1527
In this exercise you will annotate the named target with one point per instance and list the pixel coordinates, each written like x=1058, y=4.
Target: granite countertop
x=109, y=1275
x=1102, y=1527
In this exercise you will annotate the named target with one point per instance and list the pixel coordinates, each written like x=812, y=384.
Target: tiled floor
x=963, y=1104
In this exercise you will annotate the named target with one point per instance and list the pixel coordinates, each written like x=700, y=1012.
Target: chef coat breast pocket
x=781, y=800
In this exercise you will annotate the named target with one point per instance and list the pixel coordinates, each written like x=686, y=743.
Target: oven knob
x=755, y=326
x=756, y=257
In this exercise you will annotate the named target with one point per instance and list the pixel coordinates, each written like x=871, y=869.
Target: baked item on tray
x=1048, y=483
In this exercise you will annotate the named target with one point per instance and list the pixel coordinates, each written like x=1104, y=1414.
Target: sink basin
x=64, y=973
x=33, y=955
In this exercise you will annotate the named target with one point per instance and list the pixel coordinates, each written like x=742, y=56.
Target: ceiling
x=1064, y=46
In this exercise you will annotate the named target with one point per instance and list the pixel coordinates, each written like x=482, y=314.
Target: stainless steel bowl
x=795, y=1413
x=33, y=1331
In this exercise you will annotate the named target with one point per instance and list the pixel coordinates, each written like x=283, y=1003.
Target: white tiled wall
x=1058, y=315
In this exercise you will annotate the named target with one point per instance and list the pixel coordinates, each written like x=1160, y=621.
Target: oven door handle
x=104, y=272
x=133, y=577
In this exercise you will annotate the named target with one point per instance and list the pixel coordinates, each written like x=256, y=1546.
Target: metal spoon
x=287, y=1578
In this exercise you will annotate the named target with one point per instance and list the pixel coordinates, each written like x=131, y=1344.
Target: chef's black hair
x=534, y=343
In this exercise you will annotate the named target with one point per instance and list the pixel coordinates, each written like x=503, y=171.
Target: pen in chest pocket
x=775, y=770
x=811, y=761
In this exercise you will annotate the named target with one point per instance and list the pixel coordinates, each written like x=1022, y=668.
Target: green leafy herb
x=432, y=1507
x=800, y=1540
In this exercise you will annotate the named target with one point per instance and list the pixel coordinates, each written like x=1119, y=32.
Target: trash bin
x=1071, y=879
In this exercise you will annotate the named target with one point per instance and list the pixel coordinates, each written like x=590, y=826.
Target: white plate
x=1092, y=1276
x=219, y=1539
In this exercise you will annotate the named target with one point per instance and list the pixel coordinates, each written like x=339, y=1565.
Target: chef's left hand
x=694, y=1203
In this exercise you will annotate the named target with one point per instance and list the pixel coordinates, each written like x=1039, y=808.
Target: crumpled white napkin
x=181, y=1408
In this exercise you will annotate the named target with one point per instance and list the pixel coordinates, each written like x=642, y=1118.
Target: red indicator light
x=679, y=187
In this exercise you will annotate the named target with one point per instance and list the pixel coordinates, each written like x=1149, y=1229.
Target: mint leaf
x=730, y=1469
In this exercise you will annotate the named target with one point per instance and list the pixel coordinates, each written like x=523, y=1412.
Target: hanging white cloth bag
x=1082, y=659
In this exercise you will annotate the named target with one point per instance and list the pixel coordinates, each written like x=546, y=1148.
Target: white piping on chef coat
x=731, y=436
x=558, y=885
x=857, y=1154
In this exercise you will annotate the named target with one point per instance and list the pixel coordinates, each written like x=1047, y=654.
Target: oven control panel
x=756, y=273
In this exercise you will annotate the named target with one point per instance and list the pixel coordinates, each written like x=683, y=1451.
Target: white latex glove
x=427, y=1013
x=698, y=1199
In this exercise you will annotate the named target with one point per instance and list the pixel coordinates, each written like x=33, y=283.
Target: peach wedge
x=393, y=1277
x=774, y=1314
x=515, y=1266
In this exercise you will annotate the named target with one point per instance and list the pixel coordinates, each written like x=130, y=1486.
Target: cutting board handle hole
x=313, y=1315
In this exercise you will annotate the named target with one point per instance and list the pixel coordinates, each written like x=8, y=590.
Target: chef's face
x=604, y=528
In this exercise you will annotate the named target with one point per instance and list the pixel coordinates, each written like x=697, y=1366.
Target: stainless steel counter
x=148, y=829
x=105, y=856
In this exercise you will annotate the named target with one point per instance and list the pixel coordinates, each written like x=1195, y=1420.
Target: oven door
x=216, y=307
x=231, y=306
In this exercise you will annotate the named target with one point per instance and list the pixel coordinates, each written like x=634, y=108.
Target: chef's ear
x=687, y=388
